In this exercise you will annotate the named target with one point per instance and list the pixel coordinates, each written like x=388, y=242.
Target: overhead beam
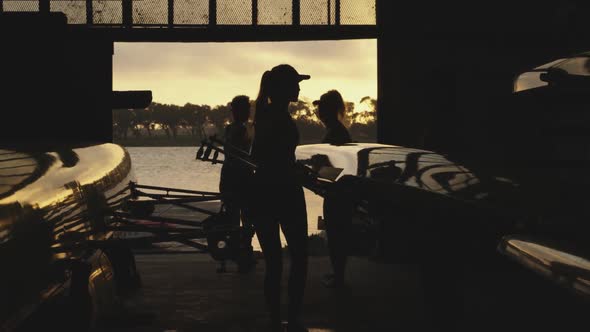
x=227, y=33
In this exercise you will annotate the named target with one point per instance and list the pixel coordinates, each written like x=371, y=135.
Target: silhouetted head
x=280, y=85
x=240, y=108
x=330, y=106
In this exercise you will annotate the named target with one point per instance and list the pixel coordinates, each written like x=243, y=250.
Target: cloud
x=213, y=73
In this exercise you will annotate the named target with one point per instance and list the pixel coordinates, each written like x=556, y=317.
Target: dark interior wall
x=57, y=88
x=445, y=69
x=92, y=61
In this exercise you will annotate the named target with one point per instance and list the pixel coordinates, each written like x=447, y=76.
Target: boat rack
x=207, y=231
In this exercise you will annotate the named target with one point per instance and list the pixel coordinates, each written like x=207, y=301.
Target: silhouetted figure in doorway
x=235, y=180
x=338, y=203
x=330, y=111
x=279, y=199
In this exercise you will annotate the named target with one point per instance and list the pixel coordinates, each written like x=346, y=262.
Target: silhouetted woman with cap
x=279, y=196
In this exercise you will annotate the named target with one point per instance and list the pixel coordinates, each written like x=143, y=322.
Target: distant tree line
x=171, y=119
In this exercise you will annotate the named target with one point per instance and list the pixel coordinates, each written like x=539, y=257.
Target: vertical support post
x=212, y=12
x=127, y=13
x=329, y=12
x=170, y=13
x=383, y=66
x=44, y=6
x=337, y=11
x=89, y=11
x=109, y=89
x=1, y=6
x=254, y=12
x=296, y=12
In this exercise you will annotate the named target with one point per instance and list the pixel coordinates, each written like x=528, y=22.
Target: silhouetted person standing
x=279, y=196
x=338, y=203
x=330, y=110
x=236, y=177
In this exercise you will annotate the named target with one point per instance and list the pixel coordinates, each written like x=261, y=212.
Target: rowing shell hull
x=50, y=201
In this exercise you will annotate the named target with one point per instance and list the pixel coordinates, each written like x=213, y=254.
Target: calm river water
x=176, y=167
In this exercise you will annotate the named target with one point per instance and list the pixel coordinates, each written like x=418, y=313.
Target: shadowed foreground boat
x=59, y=269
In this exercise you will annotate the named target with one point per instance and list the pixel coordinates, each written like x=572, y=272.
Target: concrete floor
x=183, y=292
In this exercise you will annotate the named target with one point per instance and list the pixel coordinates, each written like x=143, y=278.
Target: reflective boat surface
x=414, y=202
x=400, y=166
x=559, y=262
x=51, y=203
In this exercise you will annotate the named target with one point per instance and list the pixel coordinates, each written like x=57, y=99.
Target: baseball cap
x=287, y=72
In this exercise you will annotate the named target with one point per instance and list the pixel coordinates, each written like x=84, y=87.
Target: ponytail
x=263, y=95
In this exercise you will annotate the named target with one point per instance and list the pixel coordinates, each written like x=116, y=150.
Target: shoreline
x=196, y=142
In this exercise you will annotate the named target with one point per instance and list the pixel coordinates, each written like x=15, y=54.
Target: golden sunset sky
x=213, y=73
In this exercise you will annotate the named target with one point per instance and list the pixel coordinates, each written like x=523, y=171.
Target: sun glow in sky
x=213, y=73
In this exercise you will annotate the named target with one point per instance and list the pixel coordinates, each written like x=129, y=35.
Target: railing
x=204, y=13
